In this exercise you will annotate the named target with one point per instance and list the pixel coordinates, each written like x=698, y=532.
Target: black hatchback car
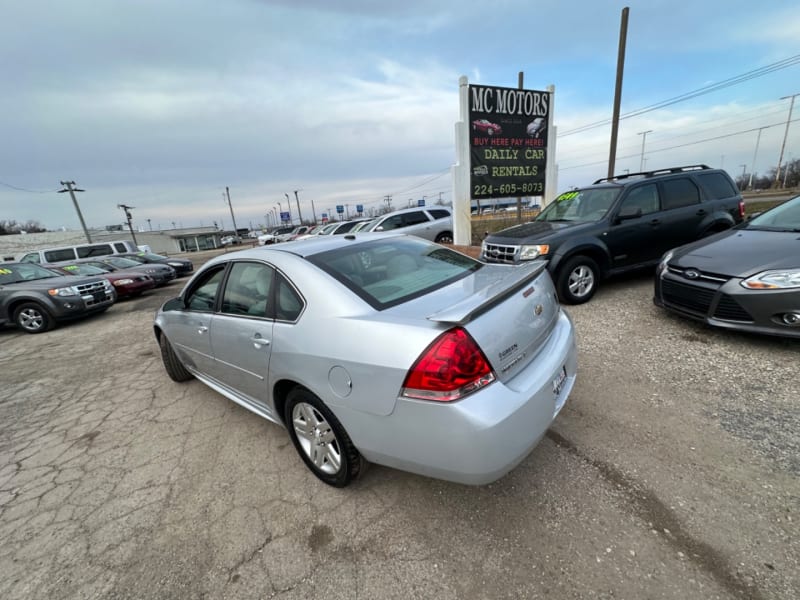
x=747, y=278
x=620, y=223
x=181, y=265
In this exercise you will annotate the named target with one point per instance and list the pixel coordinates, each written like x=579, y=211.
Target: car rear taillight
x=741, y=209
x=452, y=367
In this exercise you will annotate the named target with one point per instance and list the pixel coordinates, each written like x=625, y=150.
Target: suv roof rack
x=652, y=173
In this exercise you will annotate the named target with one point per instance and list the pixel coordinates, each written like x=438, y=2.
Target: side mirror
x=175, y=304
x=629, y=212
x=378, y=228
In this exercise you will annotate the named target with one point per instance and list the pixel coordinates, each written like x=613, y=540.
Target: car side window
x=203, y=296
x=414, y=218
x=288, y=303
x=439, y=213
x=644, y=197
x=679, y=192
x=247, y=289
x=717, y=185
x=33, y=257
x=393, y=222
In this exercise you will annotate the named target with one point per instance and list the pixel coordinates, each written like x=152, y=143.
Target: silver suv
x=434, y=224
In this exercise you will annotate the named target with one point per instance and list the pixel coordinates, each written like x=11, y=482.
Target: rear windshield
x=389, y=272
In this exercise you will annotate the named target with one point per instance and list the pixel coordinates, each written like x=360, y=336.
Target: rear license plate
x=558, y=382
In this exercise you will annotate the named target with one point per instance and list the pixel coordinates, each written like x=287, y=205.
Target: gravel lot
x=673, y=472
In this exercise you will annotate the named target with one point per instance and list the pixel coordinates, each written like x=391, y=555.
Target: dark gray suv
x=35, y=298
x=619, y=223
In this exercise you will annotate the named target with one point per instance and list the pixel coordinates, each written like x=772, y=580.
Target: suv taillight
x=741, y=209
x=452, y=367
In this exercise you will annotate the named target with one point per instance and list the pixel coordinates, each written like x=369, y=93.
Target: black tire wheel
x=172, y=364
x=577, y=280
x=444, y=238
x=320, y=439
x=33, y=318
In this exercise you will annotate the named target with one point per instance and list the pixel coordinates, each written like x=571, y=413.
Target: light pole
x=785, y=134
x=70, y=185
x=644, y=137
x=744, y=170
x=129, y=218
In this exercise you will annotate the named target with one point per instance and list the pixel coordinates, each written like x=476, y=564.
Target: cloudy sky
x=161, y=104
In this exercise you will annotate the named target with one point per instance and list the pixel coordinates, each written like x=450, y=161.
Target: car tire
x=577, y=280
x=32, y=317
x=444, y=238
x=172, y=364
x=320, y=439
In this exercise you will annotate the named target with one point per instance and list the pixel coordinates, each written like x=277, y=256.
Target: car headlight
x=123, y=282
x=662, y=266
x=531, y=252
x=64, y=291
x=175, y=264
x=785, y=279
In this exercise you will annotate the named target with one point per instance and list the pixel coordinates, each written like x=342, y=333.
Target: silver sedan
x=382, y=348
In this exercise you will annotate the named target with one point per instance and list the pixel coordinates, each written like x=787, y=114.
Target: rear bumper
x=480, y=438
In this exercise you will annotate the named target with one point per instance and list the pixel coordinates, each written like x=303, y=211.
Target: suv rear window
x=679, y=192
x=717, y=185
x=96, y=250
x=385, y=273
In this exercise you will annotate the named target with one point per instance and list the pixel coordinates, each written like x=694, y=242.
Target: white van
x=65, y=253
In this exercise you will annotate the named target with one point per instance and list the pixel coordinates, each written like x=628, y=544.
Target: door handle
x=259, y=341
x=655, y=222
x=701, y=212
x=202, y=329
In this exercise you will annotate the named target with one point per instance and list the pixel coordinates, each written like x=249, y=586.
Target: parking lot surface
x=673, y=472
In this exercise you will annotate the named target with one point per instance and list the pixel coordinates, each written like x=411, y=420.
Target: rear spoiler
x=516, y=278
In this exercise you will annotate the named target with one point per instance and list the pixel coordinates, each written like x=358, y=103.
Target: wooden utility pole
x=129, y=218
x=228, y=196
x=623, y=34
x=72, y=189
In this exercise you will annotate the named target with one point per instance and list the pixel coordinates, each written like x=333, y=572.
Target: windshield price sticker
x=566, y=196
x=6, y=271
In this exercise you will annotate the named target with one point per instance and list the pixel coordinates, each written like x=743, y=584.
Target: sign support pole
x=462, y=222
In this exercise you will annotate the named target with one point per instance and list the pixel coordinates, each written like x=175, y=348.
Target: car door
x=189, y=329
x=632, y=241
x=418, y=223
x=241, y=332
x=681, y=212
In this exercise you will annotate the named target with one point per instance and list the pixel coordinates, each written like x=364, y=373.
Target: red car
x=127, y=284
x=486, y=127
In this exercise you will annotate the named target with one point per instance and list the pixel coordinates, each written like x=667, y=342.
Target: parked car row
x=713, y=266
x=37, y=296
x=435, y=224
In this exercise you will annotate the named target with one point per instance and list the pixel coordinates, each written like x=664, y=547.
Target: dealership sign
x=507, y=141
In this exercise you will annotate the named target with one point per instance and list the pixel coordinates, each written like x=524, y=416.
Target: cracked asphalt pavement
x=673, y=472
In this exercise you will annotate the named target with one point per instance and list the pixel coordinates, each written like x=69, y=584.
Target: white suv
x=435, y=224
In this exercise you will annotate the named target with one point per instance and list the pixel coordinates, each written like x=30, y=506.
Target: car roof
x=414, y=209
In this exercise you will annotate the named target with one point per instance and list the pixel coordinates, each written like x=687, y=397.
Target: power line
x=19, y=189
x=755, y=73
x=651, y=151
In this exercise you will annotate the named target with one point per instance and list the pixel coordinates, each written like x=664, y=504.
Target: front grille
x=690, y=297
x=730, y=310
x=500, y=253
x=93, y=293
x=85, y=289
x=701, y=275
